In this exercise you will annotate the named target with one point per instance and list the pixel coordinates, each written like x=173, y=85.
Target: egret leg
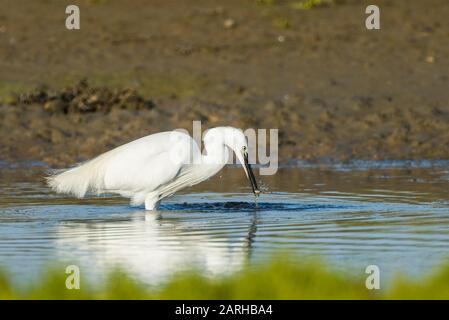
x=152, y=202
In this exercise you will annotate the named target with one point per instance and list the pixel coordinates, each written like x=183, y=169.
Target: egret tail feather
x=77, y=181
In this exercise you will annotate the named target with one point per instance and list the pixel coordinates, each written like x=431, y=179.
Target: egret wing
x=145, y=164
x=137, y=167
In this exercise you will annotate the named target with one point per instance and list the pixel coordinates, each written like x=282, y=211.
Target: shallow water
x=396, y=218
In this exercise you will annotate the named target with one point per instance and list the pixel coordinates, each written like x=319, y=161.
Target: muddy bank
x=58, y=130
x=333, y=89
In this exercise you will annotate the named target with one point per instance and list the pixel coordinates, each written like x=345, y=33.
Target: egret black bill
x=250, y=175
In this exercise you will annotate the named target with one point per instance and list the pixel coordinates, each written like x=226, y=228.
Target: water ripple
x=232, y=206
x=395, y=222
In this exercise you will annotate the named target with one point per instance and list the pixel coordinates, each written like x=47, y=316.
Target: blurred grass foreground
x=282, y=278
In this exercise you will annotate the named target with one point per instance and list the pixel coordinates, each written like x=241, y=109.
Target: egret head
x=235, y=140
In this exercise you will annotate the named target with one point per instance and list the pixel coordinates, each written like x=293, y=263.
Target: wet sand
x=333, y=89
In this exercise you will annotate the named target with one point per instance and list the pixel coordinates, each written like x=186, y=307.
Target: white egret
x=154, y=167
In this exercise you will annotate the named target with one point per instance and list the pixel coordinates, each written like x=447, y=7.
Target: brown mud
x=335, y=90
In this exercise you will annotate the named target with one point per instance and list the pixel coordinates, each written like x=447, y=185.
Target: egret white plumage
x=154, y=167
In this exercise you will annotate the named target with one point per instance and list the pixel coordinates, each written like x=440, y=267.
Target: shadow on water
x=232, y=206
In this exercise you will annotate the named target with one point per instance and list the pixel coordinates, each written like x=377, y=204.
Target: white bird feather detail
x=151, y=168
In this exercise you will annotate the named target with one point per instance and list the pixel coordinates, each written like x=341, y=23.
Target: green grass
x=282, y=278
x=282, y=23
x=309, y=4
x=8, y=89
x=152, y=84
x=148, y=84
x=300, y=5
